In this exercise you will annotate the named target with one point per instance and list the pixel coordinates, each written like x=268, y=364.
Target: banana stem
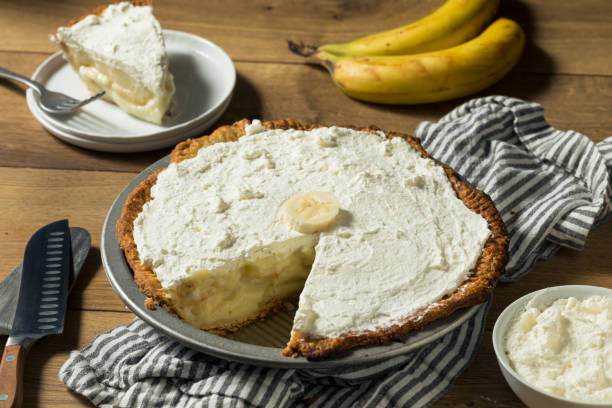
x=326, y=59
x=301, y=49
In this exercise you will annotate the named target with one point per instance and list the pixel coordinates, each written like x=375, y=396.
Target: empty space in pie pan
x=260, y=343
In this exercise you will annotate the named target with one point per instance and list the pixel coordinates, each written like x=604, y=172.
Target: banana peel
x=432, y=76
x=455, y=22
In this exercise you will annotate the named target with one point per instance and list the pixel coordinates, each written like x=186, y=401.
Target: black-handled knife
x=9, y=287
x=41, y=308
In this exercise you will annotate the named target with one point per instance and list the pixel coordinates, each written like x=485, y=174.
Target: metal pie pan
x=260, y=343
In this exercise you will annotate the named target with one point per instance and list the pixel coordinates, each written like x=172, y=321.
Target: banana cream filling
x=123, y=53
x=362, y=227
x=270, y=276
x=207, y=302
x=130, y=95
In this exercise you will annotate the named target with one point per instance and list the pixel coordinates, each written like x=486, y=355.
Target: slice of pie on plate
x=120, y=49
x=375, y=237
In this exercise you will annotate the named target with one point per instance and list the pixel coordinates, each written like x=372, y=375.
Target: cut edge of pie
x=476, y=289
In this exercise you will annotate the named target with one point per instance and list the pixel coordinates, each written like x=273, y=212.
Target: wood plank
x=25, y=143
x=35, y=197
x=31, y=198
x=569, y=37
x=481, y=385
x=299, y=91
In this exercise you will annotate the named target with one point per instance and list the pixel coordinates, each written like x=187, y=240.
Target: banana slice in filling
x=310, y=212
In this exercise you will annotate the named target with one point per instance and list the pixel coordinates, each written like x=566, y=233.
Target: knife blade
x=41, y=307
x=9, y=288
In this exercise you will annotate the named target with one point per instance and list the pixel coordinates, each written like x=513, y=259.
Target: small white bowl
x=531, y=396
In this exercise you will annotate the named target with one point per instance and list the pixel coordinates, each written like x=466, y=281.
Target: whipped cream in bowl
x=554, y=347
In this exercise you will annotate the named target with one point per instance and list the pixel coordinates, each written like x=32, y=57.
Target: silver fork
x=53, y=102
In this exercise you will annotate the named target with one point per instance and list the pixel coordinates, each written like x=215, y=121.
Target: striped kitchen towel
x=551, y=188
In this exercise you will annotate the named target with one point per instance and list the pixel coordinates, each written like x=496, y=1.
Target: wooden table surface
x=566, y=67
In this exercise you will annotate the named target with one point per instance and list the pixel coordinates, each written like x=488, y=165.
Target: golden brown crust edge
x=100, y=9
x=475, y=290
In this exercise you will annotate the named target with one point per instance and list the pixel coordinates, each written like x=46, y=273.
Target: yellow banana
x=433, y=76
x=454, y=23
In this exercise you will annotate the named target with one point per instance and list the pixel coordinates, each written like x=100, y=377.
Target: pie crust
x=476, y=289
x=100, y=9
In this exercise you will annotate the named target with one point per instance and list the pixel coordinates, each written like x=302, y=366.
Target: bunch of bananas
x=443, y=56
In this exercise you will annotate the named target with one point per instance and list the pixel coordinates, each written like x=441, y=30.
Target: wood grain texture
x=566, y=67
x=34, y=197
x=567, y=36
x=302, y=92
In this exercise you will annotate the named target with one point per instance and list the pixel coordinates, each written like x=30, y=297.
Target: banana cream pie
x=375, y=237
x=120, y=49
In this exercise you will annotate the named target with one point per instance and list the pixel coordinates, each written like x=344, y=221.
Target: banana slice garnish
x=310, y=212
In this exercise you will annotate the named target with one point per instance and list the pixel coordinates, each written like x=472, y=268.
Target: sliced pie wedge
x=120, y=49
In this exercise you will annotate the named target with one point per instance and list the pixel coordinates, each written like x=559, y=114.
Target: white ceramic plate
x=132, y=147
x=204, y=77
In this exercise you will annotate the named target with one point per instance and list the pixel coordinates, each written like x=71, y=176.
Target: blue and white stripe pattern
x=551, y=188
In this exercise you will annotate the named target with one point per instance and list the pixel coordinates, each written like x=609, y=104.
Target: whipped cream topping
x=402, y=239
x=565, y=348
x=125, y=37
